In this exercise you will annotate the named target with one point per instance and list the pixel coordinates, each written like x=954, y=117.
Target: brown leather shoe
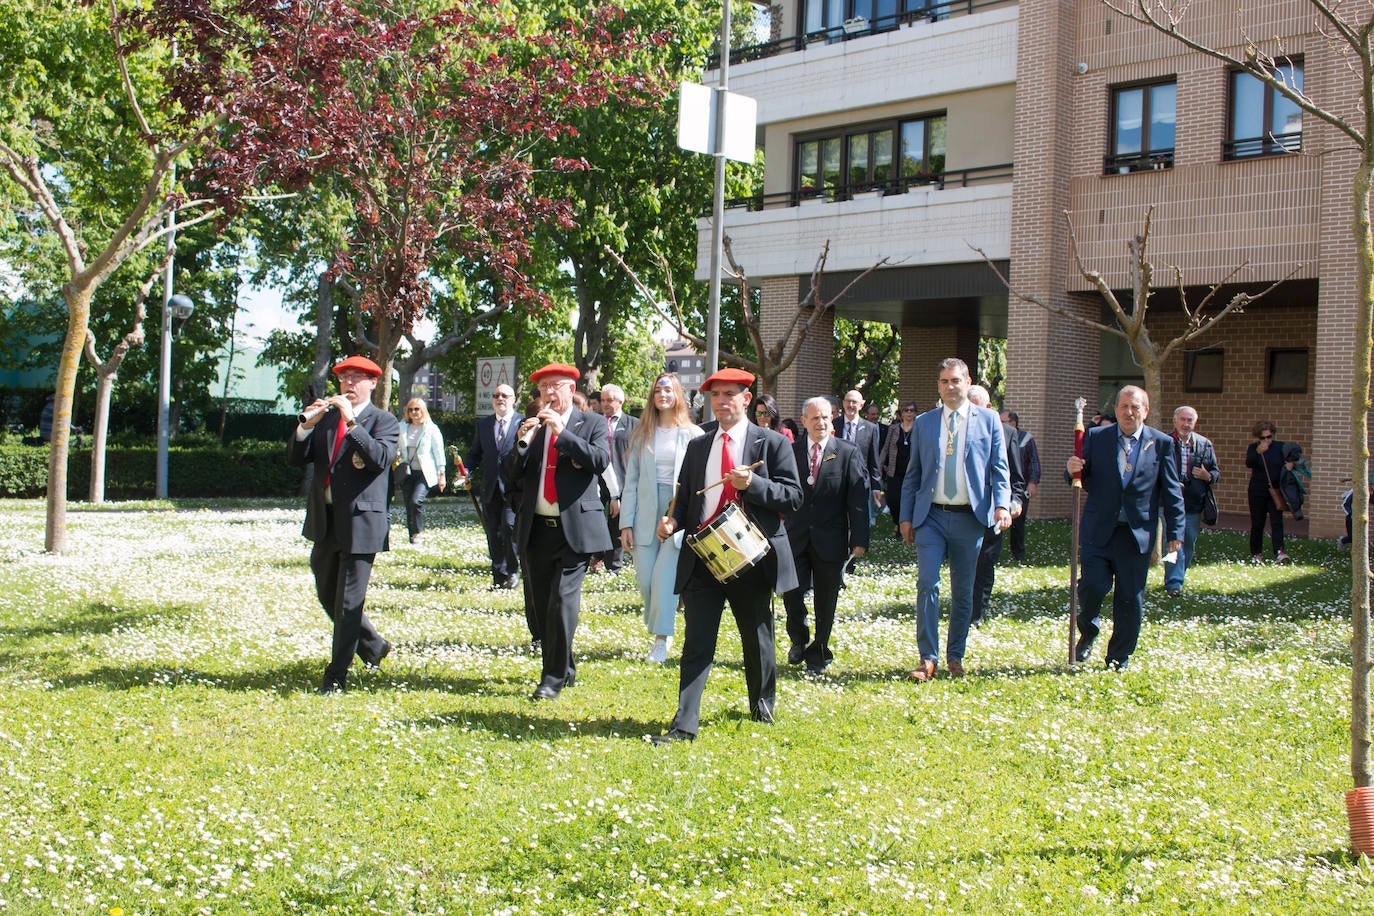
x=956, y=667
x=926, y=671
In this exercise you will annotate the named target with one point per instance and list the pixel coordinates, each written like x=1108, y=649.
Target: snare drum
x=730, y=544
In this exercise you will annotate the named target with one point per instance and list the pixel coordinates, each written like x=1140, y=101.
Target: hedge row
x=245, y=468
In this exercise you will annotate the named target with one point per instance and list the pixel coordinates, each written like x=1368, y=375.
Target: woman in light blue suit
x=422, y=453
x=652, y=462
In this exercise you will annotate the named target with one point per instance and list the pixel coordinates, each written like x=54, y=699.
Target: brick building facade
x=920, y=134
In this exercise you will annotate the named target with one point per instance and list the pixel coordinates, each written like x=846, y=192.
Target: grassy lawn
x=164, y=750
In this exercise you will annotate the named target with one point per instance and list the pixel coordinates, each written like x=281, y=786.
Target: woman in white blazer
x=421, y=455
x=652, y=461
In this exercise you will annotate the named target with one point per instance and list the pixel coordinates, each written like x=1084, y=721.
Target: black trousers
x=1018, y=534
x=553, y=579
x=498, y=519
x=341, y=584
x=1262, y=507
x=704, y=599
x=824, y=578
x=985, y=574
x=615, y=557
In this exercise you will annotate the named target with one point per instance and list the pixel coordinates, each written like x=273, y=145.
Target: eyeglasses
x=908, y=410
x=413, y=410
x=1270, y=436
x=499, y=394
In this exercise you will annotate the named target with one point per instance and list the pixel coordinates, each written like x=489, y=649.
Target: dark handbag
x=1279, y=502
x=1210, y=513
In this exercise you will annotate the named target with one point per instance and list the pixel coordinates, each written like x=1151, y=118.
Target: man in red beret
x=350, y=443
x=765, y=493
x=555, y=466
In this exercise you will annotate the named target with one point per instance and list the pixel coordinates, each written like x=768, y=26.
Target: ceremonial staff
x=467, y=483
x=1073, y=534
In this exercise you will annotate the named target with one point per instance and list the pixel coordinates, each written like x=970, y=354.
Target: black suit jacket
x=866, y=440
x=1016, y=464
x=774, y=491
x=582, y=456
x=620, y=443
x=833, y=518
x=485, y=449
x=359, y=480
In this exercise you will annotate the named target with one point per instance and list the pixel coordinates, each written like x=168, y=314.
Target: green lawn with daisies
x=164, y=750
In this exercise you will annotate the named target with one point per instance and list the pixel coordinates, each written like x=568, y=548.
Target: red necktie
x=815, y=461
x=728, y=493
x=550, y=493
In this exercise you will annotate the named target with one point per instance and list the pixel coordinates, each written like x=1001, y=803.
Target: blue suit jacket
x=985, y=465
x=1153, y=486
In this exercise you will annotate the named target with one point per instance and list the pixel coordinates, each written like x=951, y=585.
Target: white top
x=665, y=446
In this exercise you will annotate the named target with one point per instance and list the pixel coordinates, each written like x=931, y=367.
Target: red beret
x=552, y=369
x=736, y=376
x=361, y=364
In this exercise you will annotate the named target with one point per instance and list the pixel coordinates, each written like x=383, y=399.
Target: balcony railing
x=1153, y=161
x=855, y=28
x=961, y=178
x=1268, y=145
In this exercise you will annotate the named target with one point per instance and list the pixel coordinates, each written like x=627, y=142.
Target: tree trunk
x=78, y=316
x=1361, y=769
x=228, y=376
x=405, y=383
x=324, y=334
x=103, y=387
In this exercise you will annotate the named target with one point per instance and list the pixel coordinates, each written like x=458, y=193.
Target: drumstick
x=672, y=503
x=709, y=486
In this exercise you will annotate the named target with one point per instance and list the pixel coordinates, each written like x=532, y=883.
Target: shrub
x=245, y=468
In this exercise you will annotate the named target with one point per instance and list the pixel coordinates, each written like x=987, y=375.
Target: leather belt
x=951, y=507
x=549, y=520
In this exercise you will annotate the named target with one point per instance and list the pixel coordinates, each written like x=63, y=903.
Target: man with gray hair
x=1197, y=469
x=829, y=529
x=619, y=425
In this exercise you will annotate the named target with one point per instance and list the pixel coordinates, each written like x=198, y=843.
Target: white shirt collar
x=737, y=431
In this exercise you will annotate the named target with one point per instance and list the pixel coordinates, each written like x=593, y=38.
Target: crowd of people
x=751, y=504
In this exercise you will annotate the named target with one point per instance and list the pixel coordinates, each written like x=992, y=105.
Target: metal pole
x=164, y=385
x=718, y=204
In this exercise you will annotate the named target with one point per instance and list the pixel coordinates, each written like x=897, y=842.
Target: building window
x=1203, y=370
x=1287, y=371
x=1142, y=127
x=1262, y=122
x=847, y=18
x=888, y=156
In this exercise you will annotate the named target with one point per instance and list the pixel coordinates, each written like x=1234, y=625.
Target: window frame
x=895, y=183
x=1199, y=362
x=1272, y=354
x=1147, y=158
x=1238, y=149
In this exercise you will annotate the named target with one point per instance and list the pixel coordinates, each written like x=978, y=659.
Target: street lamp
x=179, y=308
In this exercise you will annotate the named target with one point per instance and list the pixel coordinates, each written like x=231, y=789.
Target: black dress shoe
x=509, y=582
x=330, y=686
x=763, y=712
x=1117, y=664
x=795, y=654
x=375, y=661
x=673, y=736
x=545, y=691
x=1084, y=650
